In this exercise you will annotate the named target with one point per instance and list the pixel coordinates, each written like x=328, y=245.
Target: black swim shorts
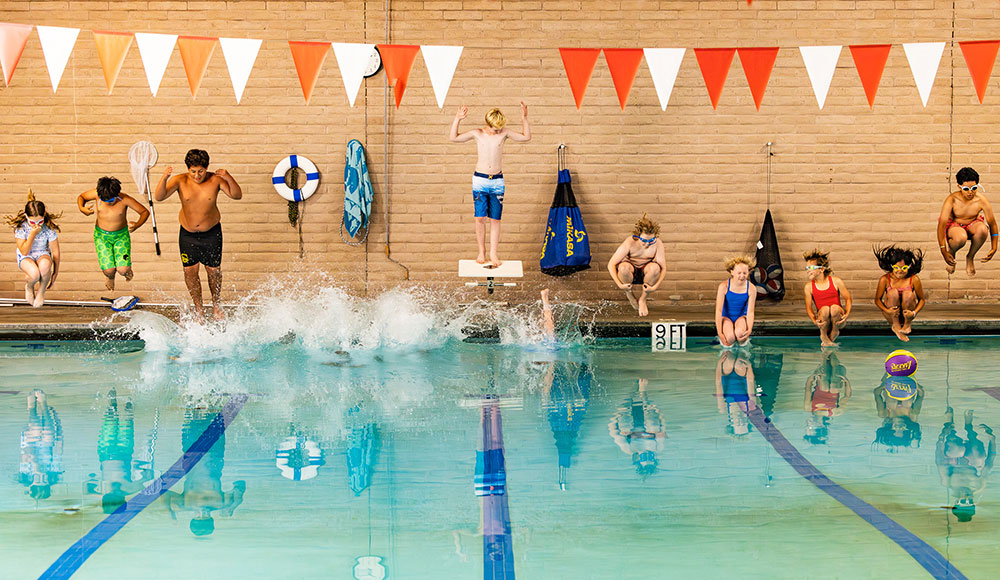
x=201, y=247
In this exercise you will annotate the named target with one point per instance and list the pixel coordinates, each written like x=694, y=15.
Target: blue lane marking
x=71, y=560
x=991, y=391
x=932, y=560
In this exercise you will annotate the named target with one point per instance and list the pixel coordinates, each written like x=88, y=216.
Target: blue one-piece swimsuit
x=735, y=305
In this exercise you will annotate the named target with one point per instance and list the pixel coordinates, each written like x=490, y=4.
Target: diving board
x=473, y=269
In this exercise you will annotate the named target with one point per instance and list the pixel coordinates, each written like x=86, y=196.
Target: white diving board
x=508, y=269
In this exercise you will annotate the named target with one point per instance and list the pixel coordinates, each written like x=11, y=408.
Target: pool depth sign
x=669, y=336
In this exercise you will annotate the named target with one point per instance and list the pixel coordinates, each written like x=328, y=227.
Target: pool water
x=595, y=459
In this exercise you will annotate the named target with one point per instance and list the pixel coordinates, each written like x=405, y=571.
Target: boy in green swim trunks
x=111, y=233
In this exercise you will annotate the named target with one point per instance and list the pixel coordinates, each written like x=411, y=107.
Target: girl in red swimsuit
x=900, y=295
x=828, y=303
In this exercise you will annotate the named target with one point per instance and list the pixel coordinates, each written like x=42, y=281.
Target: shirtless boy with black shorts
x=200, y=237
x=639, y=261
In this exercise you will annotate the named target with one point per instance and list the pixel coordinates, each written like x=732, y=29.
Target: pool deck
x=20, y=322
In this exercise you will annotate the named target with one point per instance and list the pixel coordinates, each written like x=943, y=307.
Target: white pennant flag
x=821, y=63
x=924, y=58
x=663, y=66
x=441, y=63
x=155, y=50
x=352, y=59
x=240, y=54
x=57, y=45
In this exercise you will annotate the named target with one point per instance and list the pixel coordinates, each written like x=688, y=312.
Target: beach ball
x=900, y=388
x=900, y=363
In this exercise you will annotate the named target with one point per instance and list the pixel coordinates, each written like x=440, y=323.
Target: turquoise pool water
x=454, y=460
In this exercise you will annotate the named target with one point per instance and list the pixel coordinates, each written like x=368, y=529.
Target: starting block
x=472, y=269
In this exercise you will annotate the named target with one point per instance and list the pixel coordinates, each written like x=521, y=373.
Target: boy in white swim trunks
x=487, y=181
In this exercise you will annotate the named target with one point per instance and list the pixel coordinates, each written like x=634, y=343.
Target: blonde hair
x=32, y=207
x=737, y=260
x=495, y=119
x=644, y=225
x=821, y=258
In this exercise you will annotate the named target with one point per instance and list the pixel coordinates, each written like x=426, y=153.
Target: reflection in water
x=491, y=485
x=735, y=390
x=827, y=391
x=115, y=447
x=41, y=447
x=899, y=413
x=298, y=457
x=637, y=429
x=565, y=394
x=766, y=367
x=362, y=444
x=203, y=493
x=964, y=463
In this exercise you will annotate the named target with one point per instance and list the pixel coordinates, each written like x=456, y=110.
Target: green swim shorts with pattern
x=114, y=249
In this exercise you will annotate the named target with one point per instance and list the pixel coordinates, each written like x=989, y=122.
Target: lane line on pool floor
x=70, y=561
x=937, y=565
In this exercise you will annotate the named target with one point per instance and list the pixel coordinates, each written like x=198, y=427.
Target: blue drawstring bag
x=566, y=248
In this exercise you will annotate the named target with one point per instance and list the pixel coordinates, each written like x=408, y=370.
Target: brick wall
x=843, y=178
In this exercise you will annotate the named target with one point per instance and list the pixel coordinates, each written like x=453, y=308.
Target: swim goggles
x=973, y=188
x=113, y=200
x=644, y=240
x=811, y=267
x=903, y=268
x=37, y=222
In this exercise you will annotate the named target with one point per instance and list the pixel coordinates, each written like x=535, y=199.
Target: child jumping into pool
x=37, y=248
x=828, y=303
x=487, y=181
x=966, y=216
x=639, y=262
x=900, y=295
x=734, y=303
x=111, y=232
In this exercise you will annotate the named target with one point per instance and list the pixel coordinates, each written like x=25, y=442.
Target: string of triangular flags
x=240, y=55
x=757, y=63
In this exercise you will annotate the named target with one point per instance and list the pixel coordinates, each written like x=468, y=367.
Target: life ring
x=312, y=178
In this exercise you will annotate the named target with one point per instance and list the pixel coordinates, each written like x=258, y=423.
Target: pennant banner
x=111, y=49
x=579, y=64
x=196, y=51
x=441, y=63
x=57, y=45
x=623, y=64
x=13, y=37
x=980, y=56
x=155, y=50
x=308, y=58
x=757, y=65
x=870, y=60
x=398, y=60
x=714, y=64
x=663, y=65
x=352, y=59
x=924, y=58
x=240, y=55
x=821, y=63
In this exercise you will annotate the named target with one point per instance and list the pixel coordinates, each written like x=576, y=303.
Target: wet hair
x=964, y=513
x=495, y=119
x=40, y=491
x=889, y=255
x=196, y=158
x=886, y=435
x=112, y=501
x=822, y=259
x=644, y=470
x=818, y=433
x=644, y=225
x=966, y=174
x=32, y=207
x=202, y=526
x=108, y=188
x=736, y=260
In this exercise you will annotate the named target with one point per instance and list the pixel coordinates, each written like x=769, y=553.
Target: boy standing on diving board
x=487, y=181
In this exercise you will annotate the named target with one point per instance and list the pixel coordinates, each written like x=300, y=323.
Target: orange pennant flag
x=579, y=64
x=398, y=60
x=624, y=64
x=111, y=49
x=980, y=55
x=308, y=57
x=714, y=64
x=870, y=60
x=757, y=65
x=13, y=38
x=195, y=54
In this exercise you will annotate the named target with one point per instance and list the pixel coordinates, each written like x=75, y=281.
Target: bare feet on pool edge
x=29, y=294
x=643, y=309
x=970, y=267
x=128, y=275
x=900, y=335
x=631, y=299
x=907, y=321
x=481, y=259
x=545, y=295
x=495, y=261
x=218, y=313
x=827, y=342
x=39, y=300
x=109, y=282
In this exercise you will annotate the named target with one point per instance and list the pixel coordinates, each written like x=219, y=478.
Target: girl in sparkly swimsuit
x=734, y=303
x=828, y=303
x=900, y=295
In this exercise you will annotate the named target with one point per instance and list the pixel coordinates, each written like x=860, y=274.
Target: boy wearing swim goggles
x=966, y=217
x=111, y=232
x=639, y=263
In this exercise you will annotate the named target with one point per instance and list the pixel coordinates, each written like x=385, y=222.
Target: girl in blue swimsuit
x=734, y=303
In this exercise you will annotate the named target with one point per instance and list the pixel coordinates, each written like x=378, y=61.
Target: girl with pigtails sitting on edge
x=734, y=304
x=900, y=295
x=828, y=303
x=37, y=248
